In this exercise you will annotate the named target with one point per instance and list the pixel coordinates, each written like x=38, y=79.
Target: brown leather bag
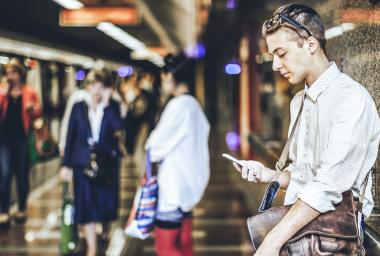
x=331, y=233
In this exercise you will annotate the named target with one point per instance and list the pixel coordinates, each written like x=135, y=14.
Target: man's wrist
x=275, y=240
x=275, y=175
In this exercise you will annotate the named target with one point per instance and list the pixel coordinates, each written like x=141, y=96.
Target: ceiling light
x=139, y=49
x=69, y=4
x=121, y=36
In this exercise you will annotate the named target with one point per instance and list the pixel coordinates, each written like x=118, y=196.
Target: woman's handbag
x=42, y=145
x=100, y=168
x=331, y=233
x=146, y=206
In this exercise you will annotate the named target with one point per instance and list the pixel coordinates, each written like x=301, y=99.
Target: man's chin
x=293, y=80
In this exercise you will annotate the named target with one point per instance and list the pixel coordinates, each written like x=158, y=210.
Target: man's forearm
x=299, y=215
x=282, y=177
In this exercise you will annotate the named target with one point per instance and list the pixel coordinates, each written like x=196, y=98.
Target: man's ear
x=312, y=44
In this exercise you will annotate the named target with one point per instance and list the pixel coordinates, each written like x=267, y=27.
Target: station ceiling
x=168, y=25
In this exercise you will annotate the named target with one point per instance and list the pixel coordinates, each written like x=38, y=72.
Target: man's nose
x=276, y=65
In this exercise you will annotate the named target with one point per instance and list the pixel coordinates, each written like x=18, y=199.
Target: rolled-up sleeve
x=342, y=160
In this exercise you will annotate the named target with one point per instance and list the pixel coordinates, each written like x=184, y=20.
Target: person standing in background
x=180, y=144
x=136, y=102
x=19, y=107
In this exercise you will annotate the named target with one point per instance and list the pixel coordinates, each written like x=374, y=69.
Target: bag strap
x=273, y=187
x=285, y=152
x=149, y=170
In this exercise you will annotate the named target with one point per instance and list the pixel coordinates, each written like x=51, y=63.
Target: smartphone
x=233, y=159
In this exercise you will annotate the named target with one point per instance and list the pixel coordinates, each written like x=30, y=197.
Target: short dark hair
x=103, y=76
x=17, y=65
x=301, y=19
x=179, y=66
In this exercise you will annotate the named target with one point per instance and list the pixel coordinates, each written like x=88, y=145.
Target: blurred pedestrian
x=19, y=107
x=180, y=143
x=136, y=103
x=93, y=133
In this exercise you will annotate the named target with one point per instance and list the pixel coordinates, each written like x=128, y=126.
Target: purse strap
x=149, y=171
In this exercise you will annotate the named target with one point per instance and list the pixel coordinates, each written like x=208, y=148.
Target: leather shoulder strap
x=285, y=152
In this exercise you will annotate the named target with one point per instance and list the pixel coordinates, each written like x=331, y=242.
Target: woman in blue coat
x=94, y=126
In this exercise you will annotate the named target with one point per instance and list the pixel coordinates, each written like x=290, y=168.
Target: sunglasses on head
x=291, y=21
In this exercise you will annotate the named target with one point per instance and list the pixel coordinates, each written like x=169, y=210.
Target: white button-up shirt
x=336, y=143
x=180, y=140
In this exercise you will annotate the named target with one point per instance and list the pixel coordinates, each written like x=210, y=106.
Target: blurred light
x=80, y=75
x=71, y=245
x=29, y=236
x=125, y=71
x=139, y=50
x=231, y=4
x=27, y=62
x=232, y=140
x=197, y=51
x=121, y=36
x=69, y=4
x=4, y=60
x=69, y=69
x=232, y=69
x=52, y=219
x=338, y=30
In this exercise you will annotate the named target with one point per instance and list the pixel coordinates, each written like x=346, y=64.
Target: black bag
x=100, y=168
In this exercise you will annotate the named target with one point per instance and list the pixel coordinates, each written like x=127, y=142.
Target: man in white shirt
x=336, y=142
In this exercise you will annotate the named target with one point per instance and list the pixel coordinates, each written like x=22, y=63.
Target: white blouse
x=336, y=143
x=95, y=116
x=180, y=141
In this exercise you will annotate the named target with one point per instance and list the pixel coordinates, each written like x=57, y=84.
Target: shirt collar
x=322, y=82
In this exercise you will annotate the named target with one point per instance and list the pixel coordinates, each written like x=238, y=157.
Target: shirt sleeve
x=341, y=162
x=170, y=131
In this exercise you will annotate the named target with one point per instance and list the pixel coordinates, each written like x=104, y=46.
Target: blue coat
x=78, y=148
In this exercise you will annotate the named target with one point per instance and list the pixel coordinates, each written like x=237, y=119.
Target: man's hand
x=255, y=171
x=65, y=173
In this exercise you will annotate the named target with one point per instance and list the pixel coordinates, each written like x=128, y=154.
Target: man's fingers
x=251, y=175
x=237, y=167
x=244, y=171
